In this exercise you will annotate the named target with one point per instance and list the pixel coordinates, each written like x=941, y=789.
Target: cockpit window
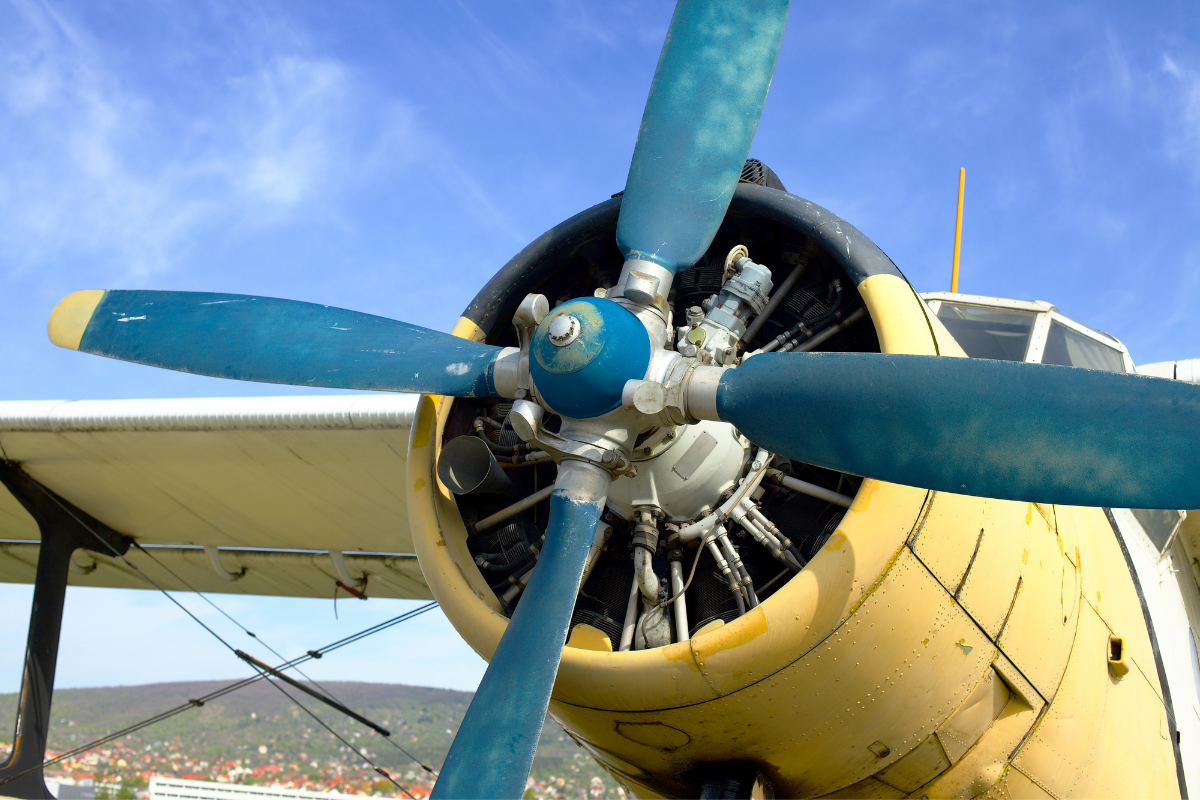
x=1067, y=348
x=996, y=333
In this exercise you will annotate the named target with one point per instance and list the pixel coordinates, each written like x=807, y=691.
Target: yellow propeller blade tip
x=71, y=316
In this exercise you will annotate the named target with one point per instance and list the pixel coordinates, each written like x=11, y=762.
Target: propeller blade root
x=1001, y=429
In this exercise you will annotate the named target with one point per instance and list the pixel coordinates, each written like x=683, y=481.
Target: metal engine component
x=641, y=288
x=466, y=466
x=686, y=480
x=564, y=329
x=645, y=541
x=653, y=629
x=693, y=473
x=741, y=297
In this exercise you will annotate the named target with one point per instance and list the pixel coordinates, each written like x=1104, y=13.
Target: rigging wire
x=190, y=588
x=343, y=740
x=132, y=566
x=224, y=690
x=332, y=732
x=185, y=610
x=223, y=613
x=327, y=692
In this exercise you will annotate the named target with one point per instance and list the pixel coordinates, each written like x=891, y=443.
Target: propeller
x=272, y=341
x=704, y=105
x=1002, y=429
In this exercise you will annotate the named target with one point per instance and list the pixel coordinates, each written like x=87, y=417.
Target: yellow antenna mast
x=962, y=182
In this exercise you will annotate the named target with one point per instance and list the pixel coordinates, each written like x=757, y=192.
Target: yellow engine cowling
x=938, y=645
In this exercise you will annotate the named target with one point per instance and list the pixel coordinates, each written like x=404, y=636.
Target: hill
x=257, y=735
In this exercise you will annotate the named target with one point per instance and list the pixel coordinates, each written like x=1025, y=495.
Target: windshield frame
x=1045, y=314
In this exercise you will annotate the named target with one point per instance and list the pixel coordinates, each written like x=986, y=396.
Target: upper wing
x=289, y=488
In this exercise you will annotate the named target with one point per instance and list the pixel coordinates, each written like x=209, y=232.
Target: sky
x=389, y=157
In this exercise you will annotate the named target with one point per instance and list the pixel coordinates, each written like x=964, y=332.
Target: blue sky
x=389, y=157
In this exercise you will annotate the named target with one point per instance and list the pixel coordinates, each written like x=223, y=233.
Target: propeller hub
x=584, y=352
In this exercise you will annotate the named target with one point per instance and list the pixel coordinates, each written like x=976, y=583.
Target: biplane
x=698, y=472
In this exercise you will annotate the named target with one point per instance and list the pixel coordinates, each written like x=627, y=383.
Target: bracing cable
x=133, y=566
x=338, y=704
x=191, y=588
x=335, y=734
x=224, y=690
x=198, y=621
x=223, y=613
x=328, y=700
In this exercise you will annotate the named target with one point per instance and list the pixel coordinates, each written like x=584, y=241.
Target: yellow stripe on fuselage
x=901, y=321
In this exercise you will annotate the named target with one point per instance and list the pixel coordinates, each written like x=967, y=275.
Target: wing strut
x=64, y=528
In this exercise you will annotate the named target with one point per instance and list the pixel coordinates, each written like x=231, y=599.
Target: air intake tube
x=467, y=466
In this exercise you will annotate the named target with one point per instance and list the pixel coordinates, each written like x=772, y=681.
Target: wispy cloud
x=105, y=163
x=1183, y=142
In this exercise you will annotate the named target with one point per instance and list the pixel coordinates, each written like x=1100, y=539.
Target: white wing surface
x=263, y=495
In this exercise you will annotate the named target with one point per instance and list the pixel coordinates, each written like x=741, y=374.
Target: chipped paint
x=682, y=652
x=742, y=630
x=836, y=541
x=862, y=500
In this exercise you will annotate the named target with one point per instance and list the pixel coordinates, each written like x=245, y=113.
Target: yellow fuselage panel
x=941, y=643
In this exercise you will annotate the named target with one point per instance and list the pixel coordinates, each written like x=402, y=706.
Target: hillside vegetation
x=258, y=735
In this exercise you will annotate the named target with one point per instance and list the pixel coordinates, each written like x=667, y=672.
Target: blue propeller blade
x=703, y=109
x=493, y=750
x=1000, y=429
x=273, y=341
